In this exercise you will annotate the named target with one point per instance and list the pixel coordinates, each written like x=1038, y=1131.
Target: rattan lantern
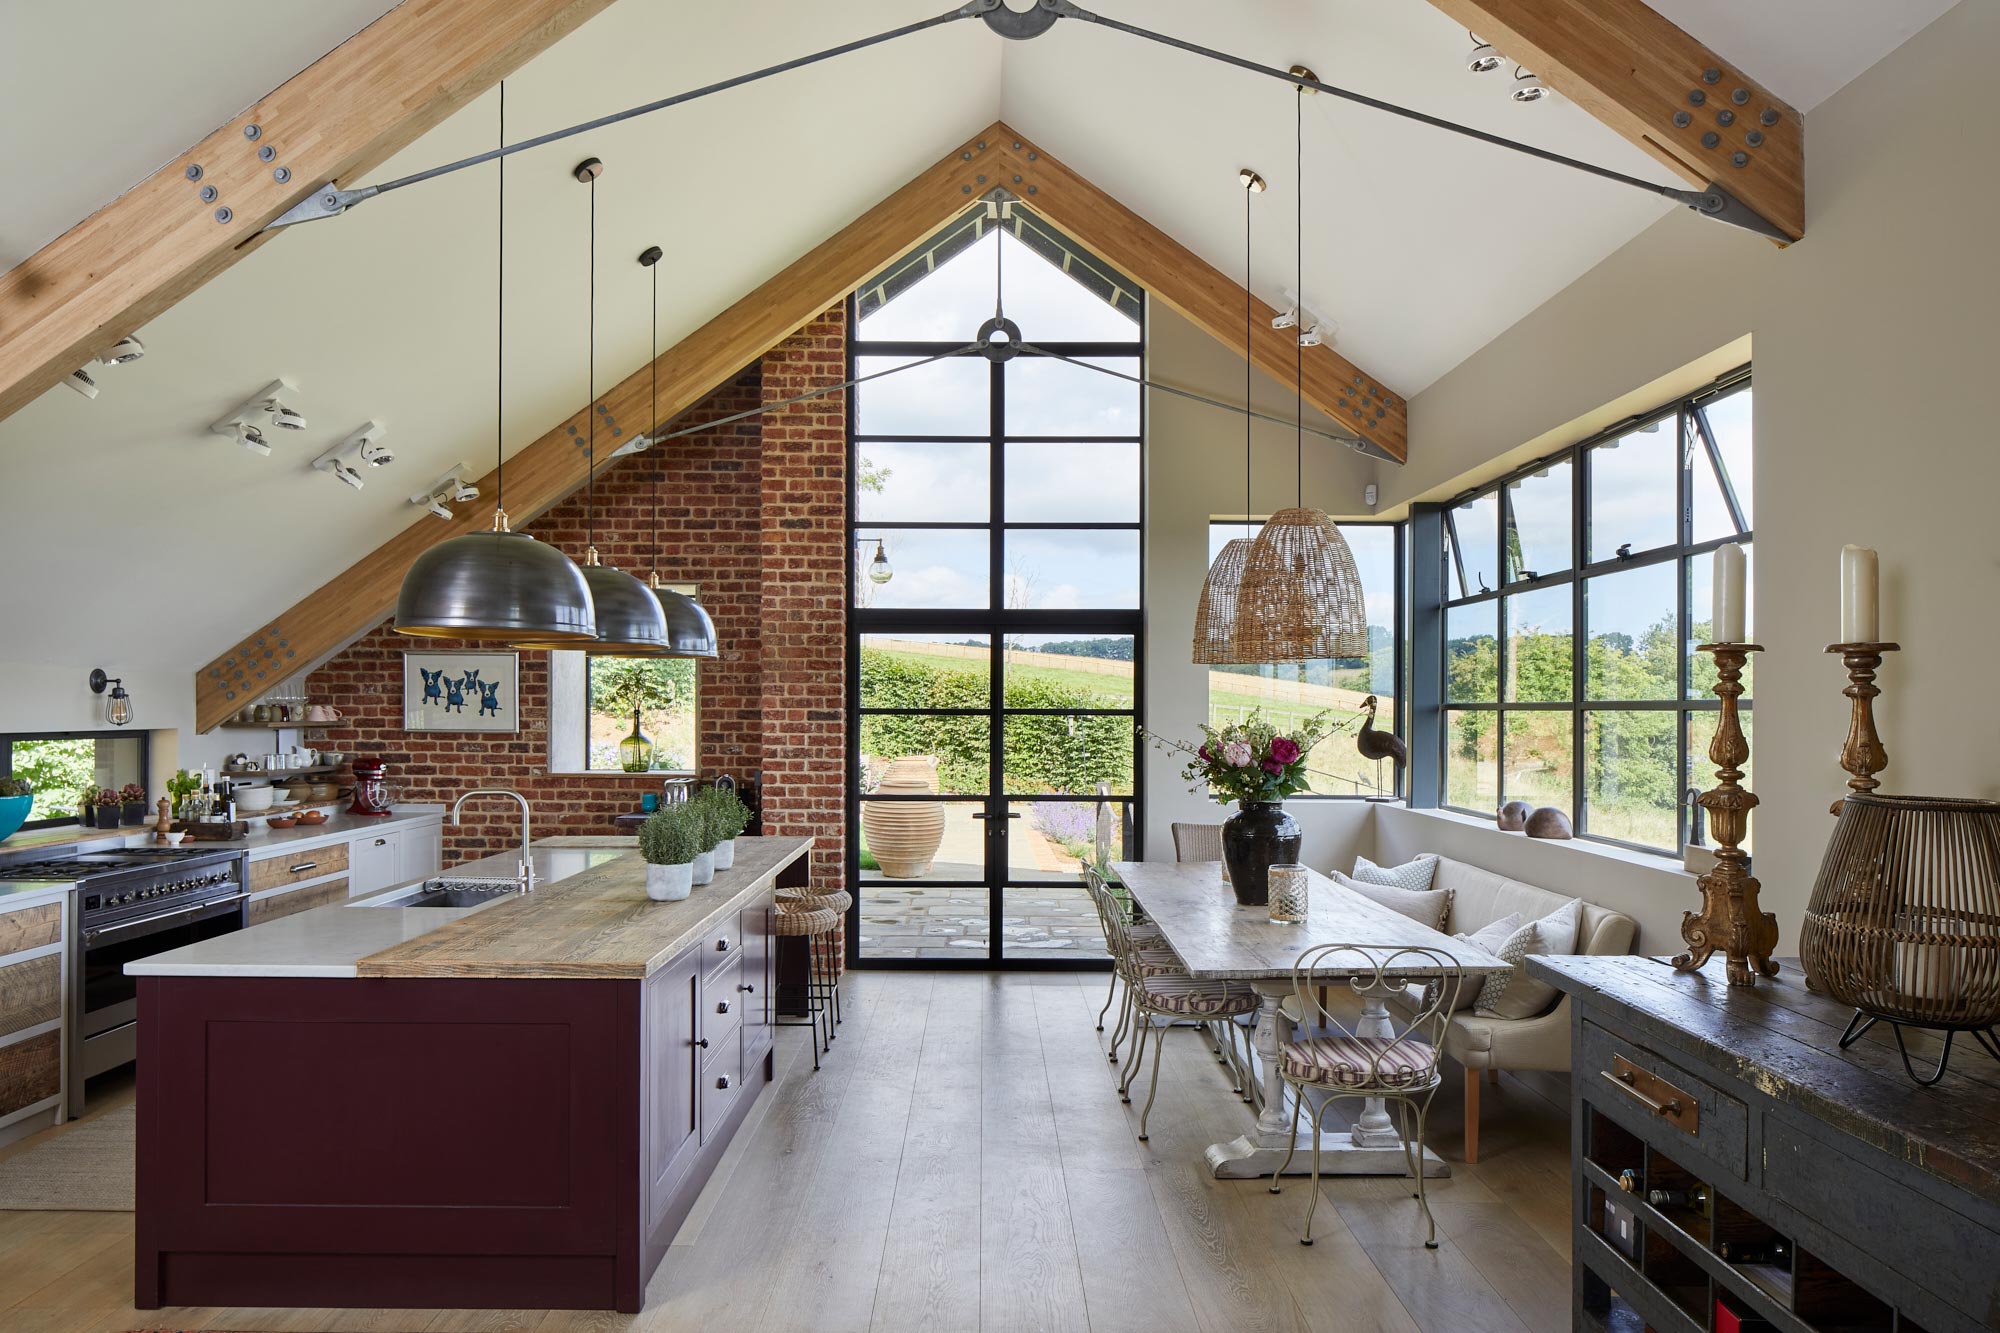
x=1904, y=922
x=1301, y=594
x=1215, y=614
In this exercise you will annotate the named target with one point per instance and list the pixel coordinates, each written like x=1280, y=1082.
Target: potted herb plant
x=1257, y=766
x=132, y=803
x=182, y=785
x=731, y=817
x=17, y=798
x=667, y=841
x=701, y=816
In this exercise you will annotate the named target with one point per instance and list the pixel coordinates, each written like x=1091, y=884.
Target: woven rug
x=86, y=1168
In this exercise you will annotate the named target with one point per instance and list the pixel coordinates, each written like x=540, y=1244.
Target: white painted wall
x=1194, y=456
x=1875, y=422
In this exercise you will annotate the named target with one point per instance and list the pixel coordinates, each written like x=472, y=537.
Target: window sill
x=1654, y=861
x=658, y=775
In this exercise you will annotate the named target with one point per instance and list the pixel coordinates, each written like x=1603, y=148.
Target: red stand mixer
x=371, y=789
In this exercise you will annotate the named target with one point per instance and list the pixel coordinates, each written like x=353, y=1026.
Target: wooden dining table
x=1217, y=939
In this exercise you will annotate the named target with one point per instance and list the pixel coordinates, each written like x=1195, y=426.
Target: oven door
x=110, y=1008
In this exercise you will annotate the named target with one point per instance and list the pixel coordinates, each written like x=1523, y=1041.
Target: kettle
x=320, y=714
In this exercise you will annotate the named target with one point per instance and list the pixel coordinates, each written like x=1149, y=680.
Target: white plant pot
x=704, y=867
x=669, y=884
x=725, y=854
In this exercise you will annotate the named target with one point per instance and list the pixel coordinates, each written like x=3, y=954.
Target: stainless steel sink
x=446, y=891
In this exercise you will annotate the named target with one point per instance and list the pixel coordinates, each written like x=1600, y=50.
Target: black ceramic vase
x=1258, y=836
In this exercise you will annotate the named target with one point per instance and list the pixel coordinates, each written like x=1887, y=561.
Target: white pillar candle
x=1727, y=597
x=1860, y=620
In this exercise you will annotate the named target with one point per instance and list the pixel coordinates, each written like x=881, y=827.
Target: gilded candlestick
x=1730, y=918
x=1862, y=755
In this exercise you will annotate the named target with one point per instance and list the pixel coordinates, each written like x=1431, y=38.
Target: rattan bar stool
x=837, y=902
x=816, y=926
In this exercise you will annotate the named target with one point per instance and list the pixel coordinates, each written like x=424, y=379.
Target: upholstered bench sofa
x=1485, y=1042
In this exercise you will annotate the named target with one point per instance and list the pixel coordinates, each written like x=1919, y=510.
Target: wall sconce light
x=118, y=708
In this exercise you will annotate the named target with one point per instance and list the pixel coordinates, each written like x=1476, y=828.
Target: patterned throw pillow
x=1489, y=937
x=1426, y=907
x=1515, y=994
x=1416, y=876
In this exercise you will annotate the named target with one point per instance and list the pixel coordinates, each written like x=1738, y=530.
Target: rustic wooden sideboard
x=1731, y=1164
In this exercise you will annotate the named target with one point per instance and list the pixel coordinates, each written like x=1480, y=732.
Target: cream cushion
x=1481, y=897
x=1416, y=875
x=1426, y=907
x=1519, y=995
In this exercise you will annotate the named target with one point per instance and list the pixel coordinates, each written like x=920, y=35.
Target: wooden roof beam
x=343, y=115
x=543, y=472
x=1706, y=120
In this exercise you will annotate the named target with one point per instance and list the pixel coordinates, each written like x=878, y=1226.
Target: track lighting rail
x=329, y=200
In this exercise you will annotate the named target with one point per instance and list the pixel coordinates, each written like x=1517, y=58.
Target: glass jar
x=635, y=752
x=1288, y=894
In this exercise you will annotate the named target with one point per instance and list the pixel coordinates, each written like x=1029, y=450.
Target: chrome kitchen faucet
x=525, y=874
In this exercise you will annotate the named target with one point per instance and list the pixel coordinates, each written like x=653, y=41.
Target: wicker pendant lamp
x=1215, y=614
x=1301, y=594
x=499, y=584
x=630, y=622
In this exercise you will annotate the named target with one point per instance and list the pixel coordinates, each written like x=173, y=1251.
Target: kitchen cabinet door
x=374, y=861
x=422, y=851
x=671, y=1075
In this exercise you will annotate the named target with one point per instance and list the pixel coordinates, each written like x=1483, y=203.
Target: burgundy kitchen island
x=508, y=1106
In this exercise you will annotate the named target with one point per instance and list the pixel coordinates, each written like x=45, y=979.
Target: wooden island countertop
x=597, y=923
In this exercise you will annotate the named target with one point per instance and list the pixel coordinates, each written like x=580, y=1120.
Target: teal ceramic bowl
x=13, y=814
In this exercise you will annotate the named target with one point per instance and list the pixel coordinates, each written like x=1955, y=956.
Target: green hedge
x=1043, y=754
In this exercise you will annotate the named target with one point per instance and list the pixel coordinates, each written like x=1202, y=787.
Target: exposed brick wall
x=754, y=513
x=805, y=588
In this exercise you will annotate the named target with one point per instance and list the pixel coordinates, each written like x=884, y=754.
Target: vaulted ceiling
x=1418, y=248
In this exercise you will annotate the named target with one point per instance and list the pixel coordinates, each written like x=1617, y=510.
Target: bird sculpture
x=1379, y=745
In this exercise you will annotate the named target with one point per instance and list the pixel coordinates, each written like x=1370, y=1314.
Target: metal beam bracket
x=1020, y=25
x=328, y=201
x=1715, y=202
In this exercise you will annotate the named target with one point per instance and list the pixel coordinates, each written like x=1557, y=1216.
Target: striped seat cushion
x=1358, y=1062
x=1156, y=960
x=1181, y=995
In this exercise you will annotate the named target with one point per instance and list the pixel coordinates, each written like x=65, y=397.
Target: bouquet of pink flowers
x=1252, y=760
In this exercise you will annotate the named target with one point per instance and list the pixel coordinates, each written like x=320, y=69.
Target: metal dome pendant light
x=690, y=633
x=1215, y=614
x=499, y=584
x=1301, y=595
x=629, y=619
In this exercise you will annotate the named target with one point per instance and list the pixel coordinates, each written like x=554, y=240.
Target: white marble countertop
x=330, y=941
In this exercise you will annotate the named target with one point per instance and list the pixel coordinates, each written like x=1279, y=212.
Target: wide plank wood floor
x=962, y=1162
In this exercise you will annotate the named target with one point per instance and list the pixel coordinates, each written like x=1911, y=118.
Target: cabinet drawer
x=1903, y=1229
x=30, y=1071
x=1720, y=1123
x=721, y=1085
x=298, y=900
x=290, y=869
x=722, y=950
x=30, y=993
x=721, y=1017
x=30, y=928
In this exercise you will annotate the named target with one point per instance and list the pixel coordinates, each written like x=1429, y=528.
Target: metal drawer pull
x=1654, y=1093
x=303, y=865
x=722, y=945
x=722, y=1082
x=722, y=1006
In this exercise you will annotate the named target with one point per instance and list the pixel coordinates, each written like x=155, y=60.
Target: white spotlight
x=1528, y=87
x=1482, y=59
x=124, y=352
x=80, y=380
x=463, y=492
x=269, y=407
x=363, y=448
x=450, y=489
x=253, y=439
x=285, y=418
x=434, y=505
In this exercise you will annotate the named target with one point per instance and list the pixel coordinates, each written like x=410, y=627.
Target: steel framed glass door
x=995, y=625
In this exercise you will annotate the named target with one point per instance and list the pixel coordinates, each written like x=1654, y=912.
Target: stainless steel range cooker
x=129, y=903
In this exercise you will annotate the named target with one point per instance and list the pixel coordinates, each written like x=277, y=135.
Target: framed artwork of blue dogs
x=461, y=692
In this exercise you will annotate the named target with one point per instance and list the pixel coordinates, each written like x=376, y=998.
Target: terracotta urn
x=903, y=836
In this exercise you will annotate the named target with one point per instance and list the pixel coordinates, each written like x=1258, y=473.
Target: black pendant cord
x=590, y=489
x=500, y=333
x=1299, y=303
x=654, y=415
x=1249, y=319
